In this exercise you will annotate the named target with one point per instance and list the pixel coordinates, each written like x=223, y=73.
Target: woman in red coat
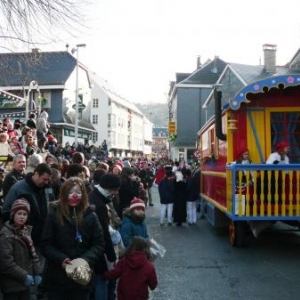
x=159, y=174
x=135, y=270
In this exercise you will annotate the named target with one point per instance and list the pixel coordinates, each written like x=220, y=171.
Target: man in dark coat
x=32, y=188
x=17, y=174
x=105, y=187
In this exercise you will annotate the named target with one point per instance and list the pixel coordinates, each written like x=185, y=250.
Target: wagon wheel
x=237, y=233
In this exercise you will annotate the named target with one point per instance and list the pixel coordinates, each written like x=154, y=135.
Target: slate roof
x=208, y=73
x=48, y=68
x=251, y=73
x=181, y=76
x=157, y=130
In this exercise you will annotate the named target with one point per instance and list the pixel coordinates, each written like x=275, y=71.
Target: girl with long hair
x=72, y=230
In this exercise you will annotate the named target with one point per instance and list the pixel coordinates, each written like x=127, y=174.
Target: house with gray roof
x=237, y=76
x=47, y=80
x=186, y=98
x=194, y=95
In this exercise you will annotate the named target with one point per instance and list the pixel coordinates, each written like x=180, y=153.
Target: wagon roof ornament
x=263, y=86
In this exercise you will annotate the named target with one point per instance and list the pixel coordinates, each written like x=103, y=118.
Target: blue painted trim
x=258, y=87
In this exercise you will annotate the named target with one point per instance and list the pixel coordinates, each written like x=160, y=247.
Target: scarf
x=24, y=235
x=104, y=192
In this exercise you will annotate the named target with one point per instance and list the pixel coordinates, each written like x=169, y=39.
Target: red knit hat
x=137, y=203
x=120, y=164
x=281, y=145
x=20, y=204
x=244, y=150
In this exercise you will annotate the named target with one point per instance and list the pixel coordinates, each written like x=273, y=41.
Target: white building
x=124, y=127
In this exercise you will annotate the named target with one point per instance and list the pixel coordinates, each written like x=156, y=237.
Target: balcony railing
x=263, y=192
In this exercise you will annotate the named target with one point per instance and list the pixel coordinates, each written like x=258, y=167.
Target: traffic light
x=172, y=127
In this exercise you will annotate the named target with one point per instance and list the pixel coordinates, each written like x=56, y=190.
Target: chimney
x=270, y=58
x=35, y=50
x=199, y=62
x=215, y=65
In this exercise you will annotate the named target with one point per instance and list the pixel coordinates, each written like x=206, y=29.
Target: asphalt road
x=200, y=264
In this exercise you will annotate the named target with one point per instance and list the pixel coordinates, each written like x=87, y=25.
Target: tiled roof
x=208, y=73
x=254, y=73
x=48, y=68
x=181, y=76
x=157, y=130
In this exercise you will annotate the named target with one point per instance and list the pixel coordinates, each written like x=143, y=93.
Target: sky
x=139, y=45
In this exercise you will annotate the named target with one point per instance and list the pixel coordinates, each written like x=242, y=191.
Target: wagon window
x=286, y=126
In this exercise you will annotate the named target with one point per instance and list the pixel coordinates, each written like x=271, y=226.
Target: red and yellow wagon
x=257, y=118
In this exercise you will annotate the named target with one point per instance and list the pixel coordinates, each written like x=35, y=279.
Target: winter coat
x=127, y=192
x=166, y=190
x=59, y=242
x=136, y=274
x=10, y=179
x=179, y=208
x=42, y=123
x=38, y=204
x=98, y=201
x=159, y=176
x=16, y=262
x=132, y=226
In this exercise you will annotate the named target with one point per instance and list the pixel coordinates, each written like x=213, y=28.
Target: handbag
x=80, y=271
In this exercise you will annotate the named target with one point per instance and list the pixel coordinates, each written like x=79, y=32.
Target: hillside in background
x=157, y=113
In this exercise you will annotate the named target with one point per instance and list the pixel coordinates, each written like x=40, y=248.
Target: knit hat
x=137, y=203
x=110, y=181
x=118, y=167
x=243, y=151
x=281, y=145
x=119, y=164
x=20, y=204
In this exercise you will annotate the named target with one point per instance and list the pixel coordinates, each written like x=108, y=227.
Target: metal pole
x=76, y=102
x=32, y=84
x=76, y=94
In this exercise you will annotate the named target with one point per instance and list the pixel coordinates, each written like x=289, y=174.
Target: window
x=285, y=126
x=95, y=103
x=95, y=137
x=95, y=119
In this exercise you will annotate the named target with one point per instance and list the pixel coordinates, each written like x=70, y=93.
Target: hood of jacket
x=136, y=260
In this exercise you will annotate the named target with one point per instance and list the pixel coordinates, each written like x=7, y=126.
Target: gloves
x=29, y=280
x=37, y=279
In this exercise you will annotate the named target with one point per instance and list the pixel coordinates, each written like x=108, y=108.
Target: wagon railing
x=263, y=192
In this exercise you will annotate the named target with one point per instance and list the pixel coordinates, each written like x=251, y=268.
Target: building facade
x=186, y=97
x=127, y=131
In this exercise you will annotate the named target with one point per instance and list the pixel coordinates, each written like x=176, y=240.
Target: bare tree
x=32, y=21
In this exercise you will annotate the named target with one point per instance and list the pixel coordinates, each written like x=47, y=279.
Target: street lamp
x=76, y=94
x=32, y=85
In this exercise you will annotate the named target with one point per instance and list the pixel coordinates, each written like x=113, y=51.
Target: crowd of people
x=60, y=208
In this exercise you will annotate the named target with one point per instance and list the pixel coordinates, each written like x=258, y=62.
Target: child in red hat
x=20, y=265
x=133, y=222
